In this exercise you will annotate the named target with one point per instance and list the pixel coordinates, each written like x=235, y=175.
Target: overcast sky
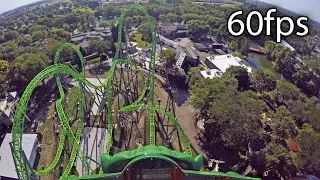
x=6, y=5
x=305, y=7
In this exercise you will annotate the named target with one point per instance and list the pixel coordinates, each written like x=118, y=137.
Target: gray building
x=82, y=39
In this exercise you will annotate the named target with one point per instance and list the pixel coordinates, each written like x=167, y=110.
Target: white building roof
x=223, y=62
x=211, y=73
x=285, y=44
x=92, y=145
x=7, y=167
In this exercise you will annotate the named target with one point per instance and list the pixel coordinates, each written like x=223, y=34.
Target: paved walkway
x=186, y=118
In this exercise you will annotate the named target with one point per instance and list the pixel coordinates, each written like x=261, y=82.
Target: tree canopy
x=309, y=154
x=169, y=56
x=11, y=35
x=145, y=30
x=235, y=116
x=264, y=80
x=282, y=123
x=274, y=157
x=10, y=51
x=241, y=74
x=314, y=118
x=25, y=67
x=4, y=68
x=286, y=91
x=198, y=28
x=100, y=46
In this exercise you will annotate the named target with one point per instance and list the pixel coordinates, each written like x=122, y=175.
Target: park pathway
x=186, y=117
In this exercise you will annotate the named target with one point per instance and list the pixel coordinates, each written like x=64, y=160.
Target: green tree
x=233, y=45
x=59, y=22
x=269, y=48
x=10, y=51
x=93, y=4
x=60, y=33
x=25, y=67
x=171, y=18
x=286, y=91
x=198, y=28
x=300, y=108
x=264, y=80
x=309, y=154
x=100, y=46
x=104, y=24
x=162, y=18
x=283, y=124
x=67, y=55
x=11, y=35
x=145, y=30
x=4, y=68
x=35, y=28
x=232, y=118
x=52, y=48
x=240, y=55
x=39, y=35
x=19, y=23
x=66, y=27
x=24, y=41
x=314, y=118
x=306, y=81
x=50, y=15
x=129, y=21
x=23, y=30
x=169, y=56
x=72, y=19
x=31, y=49
x=241, y=74
x=275, y=158
x=236, y=115
x=191, y=16
x=192, y=75
x=205, y=90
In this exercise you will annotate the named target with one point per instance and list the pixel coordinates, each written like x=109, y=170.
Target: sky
x=6, y=5
x=309, y=8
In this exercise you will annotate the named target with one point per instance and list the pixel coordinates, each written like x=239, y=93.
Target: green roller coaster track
x=61, y=69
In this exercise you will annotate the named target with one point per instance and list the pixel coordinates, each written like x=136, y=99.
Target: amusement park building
x=7, y=166
x=223, y=62
x=211, y=73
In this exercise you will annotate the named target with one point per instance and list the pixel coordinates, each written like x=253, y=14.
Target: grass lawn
x=141, y=43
